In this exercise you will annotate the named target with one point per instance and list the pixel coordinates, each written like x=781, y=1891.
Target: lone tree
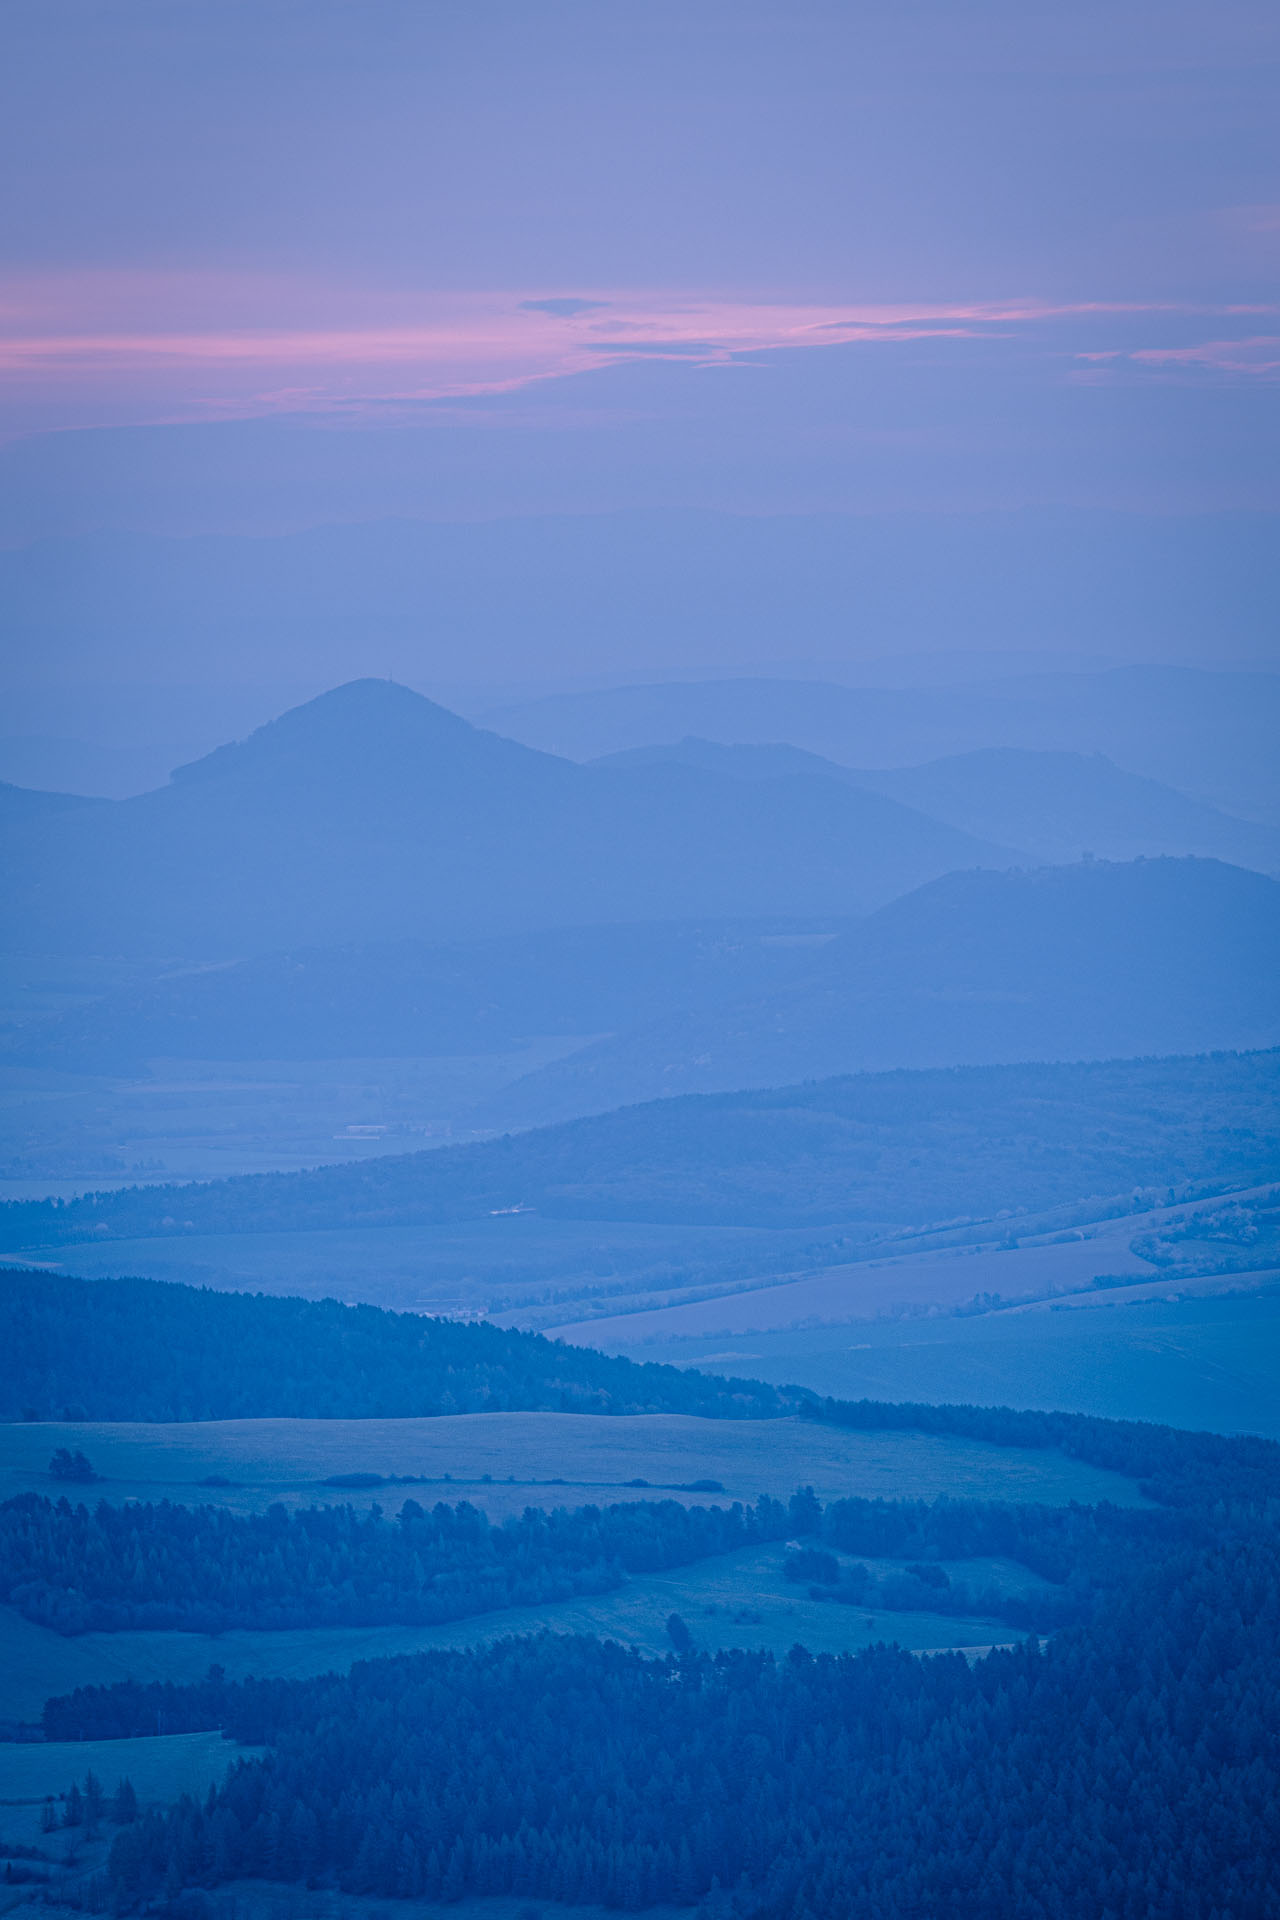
x=66, y=1465
x=678, y=1634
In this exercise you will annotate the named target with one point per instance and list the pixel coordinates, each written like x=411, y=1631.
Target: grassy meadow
x=556, y=1459
x=160, y=1769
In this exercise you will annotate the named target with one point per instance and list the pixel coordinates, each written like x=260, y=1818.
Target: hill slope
x=21, y=805
x=372, y=813
x=905, y=1147
x=144, y=1350
x=1065, y=963
x=1056, y=806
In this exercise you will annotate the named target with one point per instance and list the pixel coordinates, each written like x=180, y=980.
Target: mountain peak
x=362, y=722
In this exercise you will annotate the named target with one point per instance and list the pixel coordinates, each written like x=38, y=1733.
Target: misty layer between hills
x=1066, y=963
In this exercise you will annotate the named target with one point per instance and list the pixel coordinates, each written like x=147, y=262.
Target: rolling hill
x=1056, y=806
x=373, y=814
x=1063, y=963
x=912, y=1148
x=21, y=805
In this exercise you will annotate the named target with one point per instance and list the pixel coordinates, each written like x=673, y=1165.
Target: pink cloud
x=92, y=347
x=1259, y=354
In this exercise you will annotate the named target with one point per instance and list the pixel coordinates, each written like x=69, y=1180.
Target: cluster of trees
x=905, y=1146
x=204, y=1569
x=1086, y=1553
x=148, y=1350
x=87, y=1807
x=71, y=1465
x=1130, y=1769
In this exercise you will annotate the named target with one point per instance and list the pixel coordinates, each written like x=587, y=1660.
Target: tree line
x=207, y=1570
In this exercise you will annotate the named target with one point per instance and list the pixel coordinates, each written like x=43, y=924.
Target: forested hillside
x=894, y=1147
x=1130, y=1768
x=145, y=1350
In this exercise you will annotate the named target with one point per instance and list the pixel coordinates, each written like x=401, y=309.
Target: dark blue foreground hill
x=144, y=1350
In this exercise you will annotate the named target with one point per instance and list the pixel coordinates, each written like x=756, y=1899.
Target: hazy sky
x=271, y=265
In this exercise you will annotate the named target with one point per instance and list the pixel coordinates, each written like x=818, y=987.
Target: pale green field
x=869, y=1289
x=1062, y=1265
x=161, y=1769
x=592, y=1455
x=733, y=1600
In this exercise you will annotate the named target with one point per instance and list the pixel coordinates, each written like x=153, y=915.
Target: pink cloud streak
x=80, y=349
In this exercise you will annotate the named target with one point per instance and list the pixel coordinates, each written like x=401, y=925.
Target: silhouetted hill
x=906, y=1147
x=1064, y=963
x=403, y=997
x=1061, y=806
x=1208, y=734
x=1055, y=806
x=372, y=813
x=21, y=805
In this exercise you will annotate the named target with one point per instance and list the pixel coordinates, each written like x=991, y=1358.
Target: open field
x=601, y=1282
x=556, y=1459
x=160, y=1769
x=1201, y=1363
x=516, y=1266
x=732, y=1600
x=1037, y=1267
x=868, y=1289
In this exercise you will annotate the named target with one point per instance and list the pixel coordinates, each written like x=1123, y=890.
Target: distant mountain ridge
x=1210, y=735
x=1093, y=961
x=1056, y=806
x=372, y=813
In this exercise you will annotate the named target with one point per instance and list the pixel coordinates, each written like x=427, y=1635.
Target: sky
x=284, y=265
